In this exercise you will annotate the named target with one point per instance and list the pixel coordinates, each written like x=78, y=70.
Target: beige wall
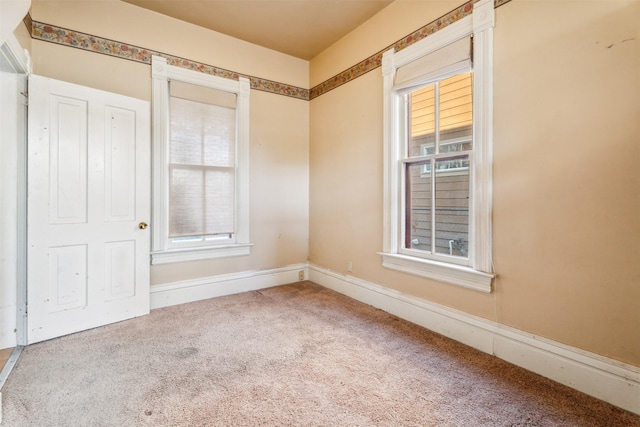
x=567, y=198
x=279, y=125
x=566, y=183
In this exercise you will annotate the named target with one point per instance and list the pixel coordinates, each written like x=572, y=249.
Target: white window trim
x=477, y=274
x=161, y=253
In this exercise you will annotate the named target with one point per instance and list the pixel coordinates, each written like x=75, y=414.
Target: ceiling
x=301, y=28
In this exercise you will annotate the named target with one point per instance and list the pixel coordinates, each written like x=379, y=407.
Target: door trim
x=20, y=61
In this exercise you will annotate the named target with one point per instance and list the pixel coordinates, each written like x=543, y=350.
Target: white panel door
x=88, y=201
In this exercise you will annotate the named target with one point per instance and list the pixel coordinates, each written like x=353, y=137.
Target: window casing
x=201, y=165
x=438, y=112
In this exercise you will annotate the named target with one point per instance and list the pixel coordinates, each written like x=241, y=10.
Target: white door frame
x=19, y=60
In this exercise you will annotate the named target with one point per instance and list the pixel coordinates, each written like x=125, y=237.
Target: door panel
x=68, y=161
x=120, y=165
x=67, y=278
x=88, y=188
x=120, y=269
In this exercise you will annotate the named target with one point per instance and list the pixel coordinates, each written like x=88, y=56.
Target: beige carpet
x=296, y=355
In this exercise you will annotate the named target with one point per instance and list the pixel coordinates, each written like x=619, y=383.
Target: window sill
x=195, y=254
x=449, y=273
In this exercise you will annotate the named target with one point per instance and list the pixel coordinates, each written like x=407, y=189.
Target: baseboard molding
x=168, y=294
x=606, y=379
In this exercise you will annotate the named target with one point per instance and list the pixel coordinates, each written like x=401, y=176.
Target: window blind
x=451, y=59
x=202, y=162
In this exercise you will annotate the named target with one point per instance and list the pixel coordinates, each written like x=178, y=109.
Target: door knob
x=142, y=225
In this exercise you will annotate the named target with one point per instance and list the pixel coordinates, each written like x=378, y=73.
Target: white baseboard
x=185, y=291
x=597, y=376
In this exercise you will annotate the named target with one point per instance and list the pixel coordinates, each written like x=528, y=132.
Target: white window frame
x=163, y=251
x=477, y=273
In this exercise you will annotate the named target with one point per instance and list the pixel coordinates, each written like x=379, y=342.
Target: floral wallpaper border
x=66, y=37
x=63, y=36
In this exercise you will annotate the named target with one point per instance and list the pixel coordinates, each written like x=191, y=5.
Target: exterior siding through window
x=440, y=113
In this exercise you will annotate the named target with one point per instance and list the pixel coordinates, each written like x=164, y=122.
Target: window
x=439, y=144
x=201, y=165
x=438, y=132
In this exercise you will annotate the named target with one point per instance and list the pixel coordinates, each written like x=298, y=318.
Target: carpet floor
x=294, y=355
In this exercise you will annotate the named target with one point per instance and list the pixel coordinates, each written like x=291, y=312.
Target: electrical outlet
x=301, y=275
x=349, y=266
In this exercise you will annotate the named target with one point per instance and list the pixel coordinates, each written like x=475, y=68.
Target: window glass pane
x=202, y=168
x=219, y=138
x=418, y=207
x=440, y=114
x=185, y=143
x=219, y=201
x=422, y=121
x=202, y=201
x=186, y=209
x=452, y=206
x=202, y=134
x=455, y=109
